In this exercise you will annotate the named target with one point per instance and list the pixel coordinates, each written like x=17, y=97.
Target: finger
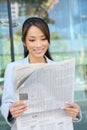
x=72, y=104
x=17, y=108
x=18, y=103
x=70, y=111
x=14, y=109
x=71, y=114
x=18, y=113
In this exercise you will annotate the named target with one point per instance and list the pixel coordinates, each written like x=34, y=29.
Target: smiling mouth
x=38, y=51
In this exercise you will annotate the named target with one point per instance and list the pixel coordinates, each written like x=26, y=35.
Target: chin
x=39, y=55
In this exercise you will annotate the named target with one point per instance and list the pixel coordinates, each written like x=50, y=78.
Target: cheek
x=46, y=44
x=28, y=44
x=29, y=47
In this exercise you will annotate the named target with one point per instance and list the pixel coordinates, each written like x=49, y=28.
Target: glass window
x=4, y=38
x=4, y=51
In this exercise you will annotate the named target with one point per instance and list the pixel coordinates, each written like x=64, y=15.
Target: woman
x=36, y=40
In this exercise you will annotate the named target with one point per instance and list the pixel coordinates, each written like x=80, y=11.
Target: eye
x=44, y=39
x=31, y=40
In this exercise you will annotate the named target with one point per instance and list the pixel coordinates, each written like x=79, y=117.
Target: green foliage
x=55, y=36
x=2, y=73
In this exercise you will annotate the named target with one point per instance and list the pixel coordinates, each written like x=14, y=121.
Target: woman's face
x=36, y=42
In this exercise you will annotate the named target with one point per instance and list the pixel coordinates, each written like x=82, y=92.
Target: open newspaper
x=45, y=88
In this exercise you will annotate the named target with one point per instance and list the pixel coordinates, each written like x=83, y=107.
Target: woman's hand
x=17, y=108
x=71, y=109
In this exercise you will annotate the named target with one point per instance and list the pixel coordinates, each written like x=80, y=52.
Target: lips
x=38, y=51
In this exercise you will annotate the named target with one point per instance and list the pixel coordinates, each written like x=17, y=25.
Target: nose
x=38, y=44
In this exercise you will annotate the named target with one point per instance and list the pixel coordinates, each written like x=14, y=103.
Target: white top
x=8, y=92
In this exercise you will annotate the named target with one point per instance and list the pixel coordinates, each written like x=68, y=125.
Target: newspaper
x=45, y=88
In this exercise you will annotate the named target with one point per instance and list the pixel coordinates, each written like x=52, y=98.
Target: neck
x=36, y=60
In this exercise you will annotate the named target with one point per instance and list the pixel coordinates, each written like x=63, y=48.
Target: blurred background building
x=67, y=20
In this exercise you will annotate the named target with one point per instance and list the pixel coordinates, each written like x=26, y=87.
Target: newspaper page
x=45, y=88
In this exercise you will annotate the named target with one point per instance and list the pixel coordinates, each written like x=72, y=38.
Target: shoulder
x=49, y=60
x=18, y=62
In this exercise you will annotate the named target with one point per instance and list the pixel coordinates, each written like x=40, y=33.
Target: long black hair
x=42, y=25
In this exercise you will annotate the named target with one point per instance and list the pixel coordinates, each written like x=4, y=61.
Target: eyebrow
x=35, y=36
x=31, y=36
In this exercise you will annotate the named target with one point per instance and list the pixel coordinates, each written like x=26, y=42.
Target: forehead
x=34, y=30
